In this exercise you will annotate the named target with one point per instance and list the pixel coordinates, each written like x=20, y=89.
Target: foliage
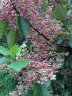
x=19, y=64
x=3, y=27
x=36, y=41
x=7, y=81
x=40, y=90
x=9, y=56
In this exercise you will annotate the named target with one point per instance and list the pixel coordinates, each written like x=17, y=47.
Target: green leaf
x=28, y=43
x=3, y=27
x=27, y=93
x=23, y=25
x=61, y=49
x=66, y=93
x=54, y=21
x=70, y=3
x=41, y=11
x=4, y=51
x=20, y=26
x=4, y=60
x=60, y=12
x=70, y=61
x=70, y=28
x=62, y=85
x=45, y=4
x=19, y=64
x=48, y=83
x=13, y=51
x=40, y=90
x=70, y=41
x=59, y=40
x=11, y=38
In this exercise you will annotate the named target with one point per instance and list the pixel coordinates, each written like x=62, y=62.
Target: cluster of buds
x=7, y=12
x=22, y=52
x=13, y=93
x=53, y=3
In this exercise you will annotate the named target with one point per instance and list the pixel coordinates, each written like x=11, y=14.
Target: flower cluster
x=44, y=59
x=43, y=65
x=53, y=3
x=44, y=25
x=8, y=13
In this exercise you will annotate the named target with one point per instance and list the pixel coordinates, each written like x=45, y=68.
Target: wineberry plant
x=36, y=43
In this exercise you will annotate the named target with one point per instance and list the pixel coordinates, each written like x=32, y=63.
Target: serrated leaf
x=11, y=38
x=19, y=64
x=4, y=51
x=40, y=90
x=13, y=51
x=60, y=12
x=23, y=25
x=3, y=27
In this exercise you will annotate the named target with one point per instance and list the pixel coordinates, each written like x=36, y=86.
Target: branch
x=36, y=29
x=46, y=37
